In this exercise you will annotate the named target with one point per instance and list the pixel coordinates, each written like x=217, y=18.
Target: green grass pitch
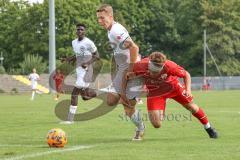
x=24, y=125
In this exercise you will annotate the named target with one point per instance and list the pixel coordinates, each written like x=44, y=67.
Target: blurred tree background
x=172, y=26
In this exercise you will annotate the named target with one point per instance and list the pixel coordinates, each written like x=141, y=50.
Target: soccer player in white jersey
x=125, y=55
x=34, y=77
x=85, y=54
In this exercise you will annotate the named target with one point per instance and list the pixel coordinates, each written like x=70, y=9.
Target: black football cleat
x=212, y=133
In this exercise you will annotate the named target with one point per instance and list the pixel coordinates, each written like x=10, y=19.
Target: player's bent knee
x=112, y=100
x=112, y=103
x=156, y=125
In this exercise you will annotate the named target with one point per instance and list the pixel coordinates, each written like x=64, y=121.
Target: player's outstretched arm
x=113, y=68
x=127, y=76
x=133, y=48
x=123, y=89
x=70, y=59
x=187, y=82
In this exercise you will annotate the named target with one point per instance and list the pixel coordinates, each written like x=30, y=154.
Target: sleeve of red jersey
x=138, y=68
x=135, y=67
x=176, y=70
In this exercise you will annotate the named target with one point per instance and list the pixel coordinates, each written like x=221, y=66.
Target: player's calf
x=74, y=96
x=202, y=117
x=156, y=117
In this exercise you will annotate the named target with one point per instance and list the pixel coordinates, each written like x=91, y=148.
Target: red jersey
x=58, y=77
x=163, y=84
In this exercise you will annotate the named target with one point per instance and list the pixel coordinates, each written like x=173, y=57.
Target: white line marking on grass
x=58, y=150
x=226, y=111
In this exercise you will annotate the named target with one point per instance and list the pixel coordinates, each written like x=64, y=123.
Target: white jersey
x=83, y=50
x=117, y=35
x=33, y=77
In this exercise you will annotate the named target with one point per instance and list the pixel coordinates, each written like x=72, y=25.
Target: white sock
x=206, y=126
x=72, y=111
x=136, y=118
x=33, y=94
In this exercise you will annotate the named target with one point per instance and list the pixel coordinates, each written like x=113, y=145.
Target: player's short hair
x=106, y=8
x=81, y=25
x=157, y=57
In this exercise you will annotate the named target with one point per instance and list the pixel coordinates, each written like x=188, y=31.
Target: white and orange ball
x=56, y=137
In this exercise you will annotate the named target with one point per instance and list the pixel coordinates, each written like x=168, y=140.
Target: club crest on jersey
x=164, y=76
x=119, y=37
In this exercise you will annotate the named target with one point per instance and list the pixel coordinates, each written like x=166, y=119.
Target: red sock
x=201, y=116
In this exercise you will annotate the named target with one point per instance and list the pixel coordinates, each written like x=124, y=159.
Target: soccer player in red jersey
x=161, y=80
x=58, y=78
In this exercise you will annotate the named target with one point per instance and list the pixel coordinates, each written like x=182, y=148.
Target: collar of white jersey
x=114, y=22
x=82, y=39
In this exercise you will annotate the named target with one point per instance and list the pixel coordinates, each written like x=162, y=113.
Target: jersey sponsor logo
x=154, y=82
x=82, y=51
x=160, y=79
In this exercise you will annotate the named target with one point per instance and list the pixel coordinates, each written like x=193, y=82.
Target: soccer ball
x=56, y=137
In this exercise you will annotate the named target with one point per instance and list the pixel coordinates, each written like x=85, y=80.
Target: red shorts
x=159, y=102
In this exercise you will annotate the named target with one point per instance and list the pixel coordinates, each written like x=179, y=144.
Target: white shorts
x=134, y=87
x=83, y=77
x=34, y=85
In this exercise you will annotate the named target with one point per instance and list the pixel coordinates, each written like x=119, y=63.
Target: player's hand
x=130, y=75
x=84, y=65
x=124, y=99
x=188, y=93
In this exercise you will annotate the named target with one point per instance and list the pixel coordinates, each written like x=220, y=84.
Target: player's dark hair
x=81, y=25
